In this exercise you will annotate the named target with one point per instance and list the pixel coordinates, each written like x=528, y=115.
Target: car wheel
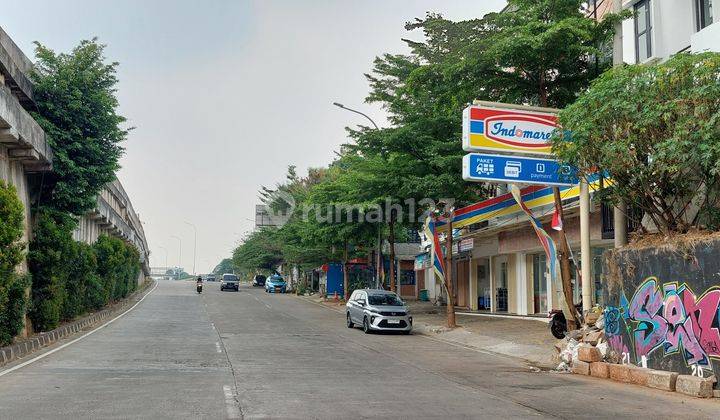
x=349, y=321
x=366, y=326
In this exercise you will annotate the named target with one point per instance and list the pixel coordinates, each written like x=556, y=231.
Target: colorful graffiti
x=667, y=318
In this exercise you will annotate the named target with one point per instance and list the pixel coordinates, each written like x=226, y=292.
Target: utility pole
x=565, y=269
x=194, y=246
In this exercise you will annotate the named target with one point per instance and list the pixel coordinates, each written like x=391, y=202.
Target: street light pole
x=379, y=248
x=194, y=246
x=339, y=105
x=166, y=256
x=179, y=250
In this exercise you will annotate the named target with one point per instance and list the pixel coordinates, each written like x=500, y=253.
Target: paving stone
x=694, y=386
x=620, y=373
x=581, y=368
x=599, y=370
x=589, y=354
x=661, y=379
x=639, y=375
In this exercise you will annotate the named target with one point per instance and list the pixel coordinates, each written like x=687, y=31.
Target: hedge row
x=71, y=278
x=13, y=300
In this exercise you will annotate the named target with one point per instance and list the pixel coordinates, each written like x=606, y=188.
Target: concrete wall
x=663, y=305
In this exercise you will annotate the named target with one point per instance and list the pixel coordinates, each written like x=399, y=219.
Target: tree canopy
x=654, y=130
x=77, y=107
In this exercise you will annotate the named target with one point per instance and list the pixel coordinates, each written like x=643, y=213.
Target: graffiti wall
x=664, y=305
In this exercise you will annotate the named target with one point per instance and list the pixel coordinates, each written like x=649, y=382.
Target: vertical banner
x=545, y=240
x=438, y=261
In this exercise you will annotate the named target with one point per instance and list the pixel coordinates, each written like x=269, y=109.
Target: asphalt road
x=251, y=354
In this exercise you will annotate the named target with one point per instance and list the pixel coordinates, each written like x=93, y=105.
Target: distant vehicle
x=210, y=278
x=258, y=281
x=377, y=310
x=229, y=281
x=275, y=284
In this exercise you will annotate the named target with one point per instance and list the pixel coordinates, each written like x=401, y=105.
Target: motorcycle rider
x=199, y=284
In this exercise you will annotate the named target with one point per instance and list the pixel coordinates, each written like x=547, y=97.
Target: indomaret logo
x=520, y=130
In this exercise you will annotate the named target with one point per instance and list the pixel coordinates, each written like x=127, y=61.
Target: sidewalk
x=529, y=340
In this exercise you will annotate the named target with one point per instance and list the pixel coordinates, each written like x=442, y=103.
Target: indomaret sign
x=505, y=128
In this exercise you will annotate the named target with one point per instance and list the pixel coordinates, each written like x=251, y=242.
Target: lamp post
x=179, y=250
x=166, y=256
x=194, y=245
x=339, y=105
x=379, y=249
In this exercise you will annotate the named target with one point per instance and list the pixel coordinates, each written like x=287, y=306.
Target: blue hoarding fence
x=517, y=169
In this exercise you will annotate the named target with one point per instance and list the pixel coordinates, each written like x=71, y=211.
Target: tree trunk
x=346, y=291
x=565, y=269
x=391, y=240
x=448, y=278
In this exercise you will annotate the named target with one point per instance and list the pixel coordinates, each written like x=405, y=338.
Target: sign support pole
x=585, y=257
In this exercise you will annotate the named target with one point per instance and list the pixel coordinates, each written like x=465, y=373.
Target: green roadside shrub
x=50, y=267
x=12, y=285
x=77, y=284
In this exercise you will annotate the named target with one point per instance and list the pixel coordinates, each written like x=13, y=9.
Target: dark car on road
x=259, y=281
x=230, y=281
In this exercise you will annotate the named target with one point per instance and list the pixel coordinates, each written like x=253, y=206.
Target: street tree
x=662, y=155
x=77, y=107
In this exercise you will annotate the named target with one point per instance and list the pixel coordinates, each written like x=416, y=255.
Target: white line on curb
x=42, y=356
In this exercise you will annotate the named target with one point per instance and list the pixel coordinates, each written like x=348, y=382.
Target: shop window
x=502, y=291
x=643, y=31
x=540, y=283
x=704, y=10
x=407, y=277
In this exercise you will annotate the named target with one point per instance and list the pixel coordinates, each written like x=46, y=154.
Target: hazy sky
x=225, y=95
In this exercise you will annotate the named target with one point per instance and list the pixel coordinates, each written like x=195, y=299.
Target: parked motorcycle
x=558, y=323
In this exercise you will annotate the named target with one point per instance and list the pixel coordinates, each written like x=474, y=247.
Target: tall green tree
x=546, y=52
x=662, y=154
x=77, y=107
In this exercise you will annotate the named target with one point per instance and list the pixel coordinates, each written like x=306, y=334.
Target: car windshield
x=230, y=278
x=385, y=300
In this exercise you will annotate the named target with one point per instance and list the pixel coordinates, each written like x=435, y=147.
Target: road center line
x=42, y=356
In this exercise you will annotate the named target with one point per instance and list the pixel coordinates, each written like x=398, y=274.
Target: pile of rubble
x=586, y=352
x=590, y=340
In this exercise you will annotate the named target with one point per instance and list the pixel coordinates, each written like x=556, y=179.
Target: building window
x=704, y=13
x=643, y=31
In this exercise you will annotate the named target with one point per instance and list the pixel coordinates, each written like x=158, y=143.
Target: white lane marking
x=268, y=306
x=217, y=347
x=233, y=411
x=42, y=356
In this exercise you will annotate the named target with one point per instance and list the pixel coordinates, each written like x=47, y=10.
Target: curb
x=38, y=341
